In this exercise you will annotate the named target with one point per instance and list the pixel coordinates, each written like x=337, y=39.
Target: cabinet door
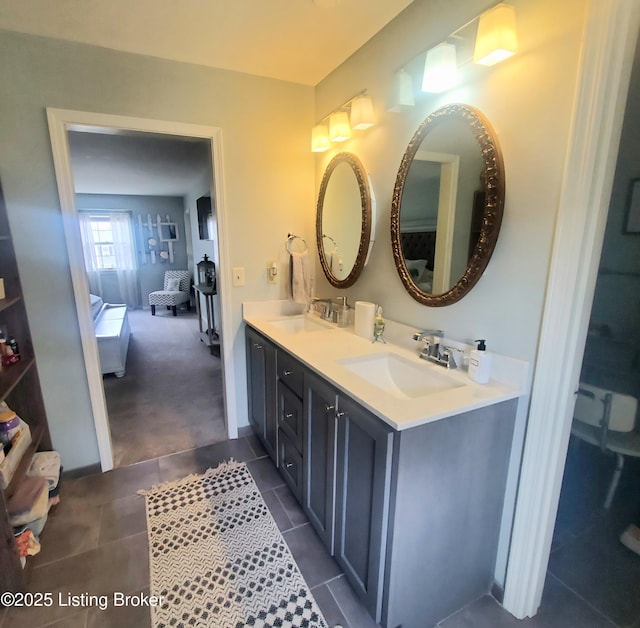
x=363, y=474
x=319, y=457
x=261, y=384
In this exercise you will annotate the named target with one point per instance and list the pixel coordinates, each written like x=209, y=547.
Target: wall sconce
x=497, y=37
x=320, y=141
x=440, y=69
x=339, y=128
x=494, y=40
x=362, y=116
x=402, y=95
x=359, y=107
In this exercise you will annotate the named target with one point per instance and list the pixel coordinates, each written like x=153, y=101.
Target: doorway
x=586, y=552
x=60, y=123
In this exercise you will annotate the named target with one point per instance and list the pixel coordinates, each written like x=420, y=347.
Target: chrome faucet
x=434, y=351
x=327, y=307
x=431, y=338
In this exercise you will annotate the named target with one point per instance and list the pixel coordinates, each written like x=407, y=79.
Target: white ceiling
x=301, y=41
x=294, y=40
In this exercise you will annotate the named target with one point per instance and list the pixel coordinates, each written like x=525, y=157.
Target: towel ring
x=290, y=238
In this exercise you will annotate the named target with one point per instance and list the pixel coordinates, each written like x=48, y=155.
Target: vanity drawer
x=291, y=372
x=290, y=415
x=290, y=464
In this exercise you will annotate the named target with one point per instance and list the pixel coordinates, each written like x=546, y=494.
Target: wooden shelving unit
x=20, y=388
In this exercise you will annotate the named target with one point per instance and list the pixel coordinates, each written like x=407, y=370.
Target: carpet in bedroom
x=170, y=398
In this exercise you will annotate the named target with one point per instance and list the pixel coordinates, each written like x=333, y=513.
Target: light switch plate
x=238, y=276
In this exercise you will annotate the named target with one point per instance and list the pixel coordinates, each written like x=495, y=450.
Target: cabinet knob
x=339, y=415
x=289, y=415
x=286, y=373
x=328, y=407
x=257, y=346
x=288, y=465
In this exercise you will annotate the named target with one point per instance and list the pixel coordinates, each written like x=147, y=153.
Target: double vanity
x=399, y=464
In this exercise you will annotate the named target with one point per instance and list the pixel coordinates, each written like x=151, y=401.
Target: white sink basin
x=301, y=323
x=400, y=377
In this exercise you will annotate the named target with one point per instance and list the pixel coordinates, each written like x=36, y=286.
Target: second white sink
x=400, y=377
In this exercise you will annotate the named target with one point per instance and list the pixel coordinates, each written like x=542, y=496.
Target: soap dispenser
x=480, y=363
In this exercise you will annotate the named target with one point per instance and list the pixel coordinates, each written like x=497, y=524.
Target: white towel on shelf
x=300, y=277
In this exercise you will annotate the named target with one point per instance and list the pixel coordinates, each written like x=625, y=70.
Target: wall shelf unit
x=20, y=389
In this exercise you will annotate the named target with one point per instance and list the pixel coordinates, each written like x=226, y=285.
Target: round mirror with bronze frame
x=344, y=220
x=455, y=149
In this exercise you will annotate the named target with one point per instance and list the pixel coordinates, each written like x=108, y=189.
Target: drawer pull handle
x=286, y=373
x=328, y=407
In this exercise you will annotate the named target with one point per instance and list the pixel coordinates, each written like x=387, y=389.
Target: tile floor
x=95, y=543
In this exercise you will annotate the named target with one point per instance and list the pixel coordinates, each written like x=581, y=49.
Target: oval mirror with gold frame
x=447, y=205
x=344, y=220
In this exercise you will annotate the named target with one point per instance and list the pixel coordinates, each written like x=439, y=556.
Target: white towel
x=300, y=277
x=46, y=464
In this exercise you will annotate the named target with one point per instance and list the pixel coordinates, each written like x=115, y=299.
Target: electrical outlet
x=238, y=276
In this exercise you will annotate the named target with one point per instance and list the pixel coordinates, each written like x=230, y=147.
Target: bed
x=112, y=334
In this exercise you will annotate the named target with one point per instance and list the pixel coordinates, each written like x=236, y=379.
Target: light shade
x=339, y=129
x=402, y=95
x=320, y=139
x=440, y=69
x=362, y=116
x=497, y=38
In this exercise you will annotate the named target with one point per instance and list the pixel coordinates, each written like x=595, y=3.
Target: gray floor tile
x=265, y=474
x=180, y=465
x=315, y=563
x=79, y=620
x=484, y=613
x=72, y=527
x=105, y=487
x=119, y=566
x=329, y=607
x=598, y=568
x=561, y=608
x=277, y=511
x=256, y=446
x=350, y=605
x=122, y=517
x=127, y=616
x=291, y=506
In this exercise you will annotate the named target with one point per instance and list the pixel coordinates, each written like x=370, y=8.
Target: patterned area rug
x=217, y=558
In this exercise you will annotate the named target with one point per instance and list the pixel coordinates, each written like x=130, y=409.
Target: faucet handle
x=448, y=356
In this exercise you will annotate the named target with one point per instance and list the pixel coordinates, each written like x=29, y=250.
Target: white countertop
x=322, y=350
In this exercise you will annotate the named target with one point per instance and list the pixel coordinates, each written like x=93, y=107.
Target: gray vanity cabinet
x=261, y=385
x=320, y=401
x=347, y=471
x=363, y=483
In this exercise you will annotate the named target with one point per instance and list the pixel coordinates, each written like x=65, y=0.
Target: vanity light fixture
x=339, y=128
x=402, y=95
x=492, y=40
x=497, y=37
x=320, y=141
x=362, y=116
x=440, y=69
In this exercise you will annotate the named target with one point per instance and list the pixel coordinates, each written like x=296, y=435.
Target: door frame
x=608, y=44
x=62, y=120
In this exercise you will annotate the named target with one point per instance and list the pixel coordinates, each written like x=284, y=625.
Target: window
x=102, y=242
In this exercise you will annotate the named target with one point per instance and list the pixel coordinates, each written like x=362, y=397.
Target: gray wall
x=268, y=177
x=150, y=275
